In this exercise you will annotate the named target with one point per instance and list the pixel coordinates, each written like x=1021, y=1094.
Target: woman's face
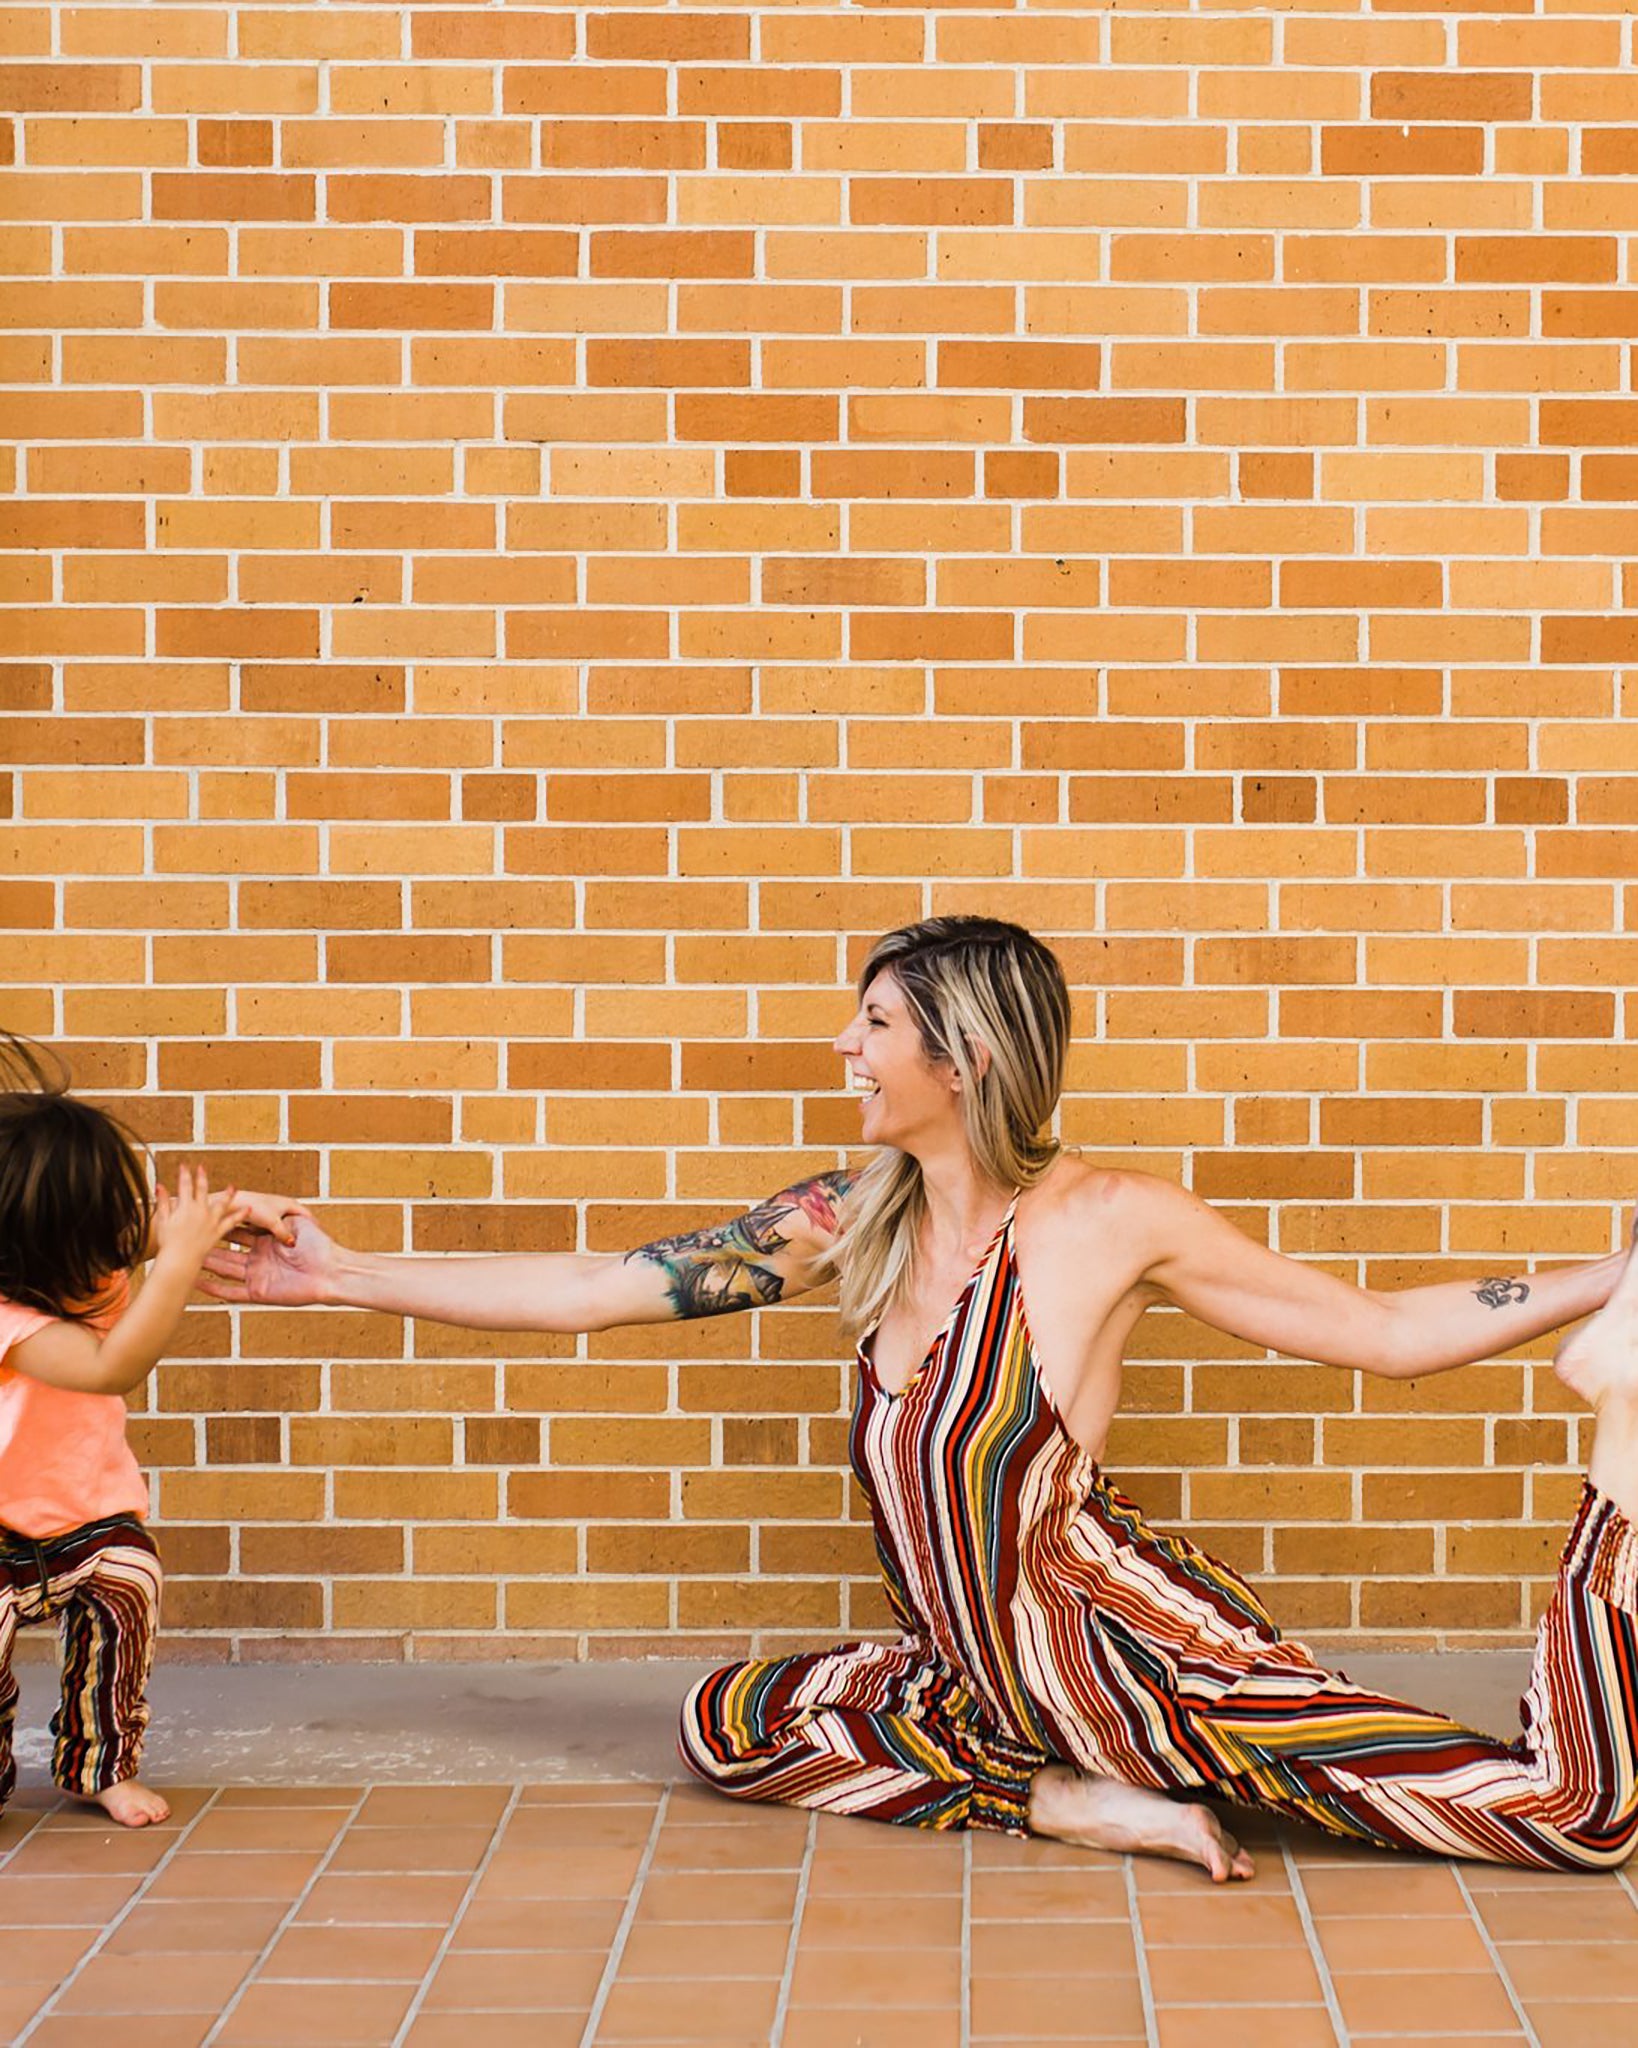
x=904, y=1097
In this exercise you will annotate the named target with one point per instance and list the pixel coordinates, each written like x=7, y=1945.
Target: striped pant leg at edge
x=109, y=1623
x=8, y=1691
x=1562, y=1796
x=816, y=1731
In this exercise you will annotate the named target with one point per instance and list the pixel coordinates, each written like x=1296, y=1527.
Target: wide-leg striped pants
x=888, y=1731
x=102, y=1583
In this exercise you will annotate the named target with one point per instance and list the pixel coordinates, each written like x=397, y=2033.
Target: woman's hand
x=291, y=1271
x=189, y=1223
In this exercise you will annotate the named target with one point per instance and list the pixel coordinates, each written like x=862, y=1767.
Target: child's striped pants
x=895, y=1733
x=102, y=1583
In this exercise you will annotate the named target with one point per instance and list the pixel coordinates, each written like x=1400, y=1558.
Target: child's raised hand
x=188, y=1224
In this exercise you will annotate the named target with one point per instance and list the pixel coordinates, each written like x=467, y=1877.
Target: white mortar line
x=45, y=2012
x=1494, y=1954
x=776, y=2032
x=286, y=1920
x=1146, y=1990
x=457, y=1917
x=617, y=1947
x=1315, y=1949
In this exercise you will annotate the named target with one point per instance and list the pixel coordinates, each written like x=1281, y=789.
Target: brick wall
x=537, y=531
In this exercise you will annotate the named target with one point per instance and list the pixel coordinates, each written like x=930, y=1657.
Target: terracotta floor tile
x=1573, y=1969
x=539, y=1924
x=559, y=1874
x=267, y=1828
x=1013, y=1852
x=500, y=2030
x=767, y=1895
x=18, y=2005
x=579, y=1827
x=1505, y=1877
x=861, y=1923
x=196, y=1926
x=1405, y=1945
x=63, y=1901
x=724, y=1849
x=1056, y=2009
x=513, y=1980
x=1016, y=1948
x=659, y=1949
x=1229, y=1976
x=15, y=1823
x=247, y=1874
x=1398, y=2040
x=391, y=1899
x=156, y=1983
x=638, y=1792
x=433, y=1806
x=344, y=1796
x=734, y=2015
x=1153, y=1874
x=41, y=1955
x=1384, y=1888
x=96, y=1851
x=309, y=2016
x=1598, y=1913
x=355, y=1955
x=416, y=1851
x=1252, y=2026
x=1426, y=2004
x=1238, y=1916
x=148, y=2030
x=838, y=2028
x=1051, y=1895
x=1592, y=2024
x=875, y=1977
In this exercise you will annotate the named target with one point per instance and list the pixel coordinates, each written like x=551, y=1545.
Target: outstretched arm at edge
x=750, y=1261
x=1199, y=1261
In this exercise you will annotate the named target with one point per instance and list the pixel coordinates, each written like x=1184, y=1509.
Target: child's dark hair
x=74, y=1203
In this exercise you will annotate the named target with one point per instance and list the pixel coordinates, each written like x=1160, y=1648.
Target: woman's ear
x=978, y=1054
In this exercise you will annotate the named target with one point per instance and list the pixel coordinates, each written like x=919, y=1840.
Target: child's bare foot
x=132, y=1804
x=1102, y=1813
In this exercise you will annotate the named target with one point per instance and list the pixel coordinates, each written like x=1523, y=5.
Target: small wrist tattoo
x=1501, y=1293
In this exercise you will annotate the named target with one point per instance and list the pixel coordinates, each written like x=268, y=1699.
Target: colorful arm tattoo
x=733, y=1266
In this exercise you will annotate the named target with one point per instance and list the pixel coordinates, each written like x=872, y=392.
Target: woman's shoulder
x=1077, y=1193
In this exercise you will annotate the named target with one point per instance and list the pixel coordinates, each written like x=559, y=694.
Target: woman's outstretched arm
x=1198, y=1260
x=753, y=1260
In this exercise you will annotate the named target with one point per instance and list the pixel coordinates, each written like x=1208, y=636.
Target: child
x=75, y=1216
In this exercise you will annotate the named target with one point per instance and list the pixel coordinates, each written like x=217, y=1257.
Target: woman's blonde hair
x=968, y=982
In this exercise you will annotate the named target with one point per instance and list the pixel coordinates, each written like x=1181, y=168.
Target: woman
x=1065, y=1669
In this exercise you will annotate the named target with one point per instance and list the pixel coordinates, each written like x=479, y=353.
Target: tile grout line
x=119, y=1918
x=285, y=1920
x=617, y=1947
x=966, y=1938
x=1495, y=1955
x=420, y=1997
x=1146, y=1990
x=776, y=2032
x=1316, y=1948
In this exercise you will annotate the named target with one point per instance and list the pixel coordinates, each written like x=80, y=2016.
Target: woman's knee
x=705, y=1738
x=1600, y=1842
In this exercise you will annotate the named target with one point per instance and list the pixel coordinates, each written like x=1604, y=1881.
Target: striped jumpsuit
x=1045, y=1621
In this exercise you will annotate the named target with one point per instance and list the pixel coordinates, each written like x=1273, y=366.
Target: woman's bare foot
x=132, y=1804
x=1102, y=1813
x=1599, y=1362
